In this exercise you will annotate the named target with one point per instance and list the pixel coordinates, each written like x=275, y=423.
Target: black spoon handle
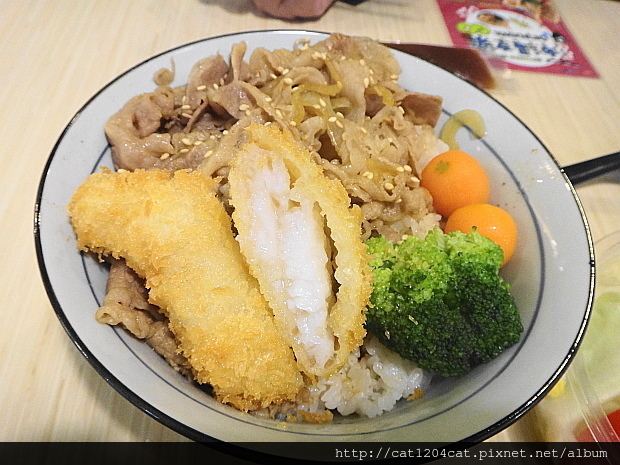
x=586, y=170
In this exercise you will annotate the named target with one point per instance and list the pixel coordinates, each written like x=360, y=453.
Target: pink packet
x=523, y=35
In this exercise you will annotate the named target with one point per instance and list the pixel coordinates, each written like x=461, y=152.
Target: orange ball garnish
x=490, y=221
x=455, y=179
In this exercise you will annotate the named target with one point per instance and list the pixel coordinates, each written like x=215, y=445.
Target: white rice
x=421, y=228
x=368, y=385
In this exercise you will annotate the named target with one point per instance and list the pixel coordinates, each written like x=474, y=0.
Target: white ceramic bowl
x=551, y=273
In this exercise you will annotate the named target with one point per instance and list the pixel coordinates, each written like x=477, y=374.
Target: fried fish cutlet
x=302, y=241
x=172, y=231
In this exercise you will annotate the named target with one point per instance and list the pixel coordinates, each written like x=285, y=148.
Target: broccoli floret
x=440, y=302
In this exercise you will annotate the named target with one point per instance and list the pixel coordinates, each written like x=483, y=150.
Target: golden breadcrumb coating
x=171, y=230
x=349, y=273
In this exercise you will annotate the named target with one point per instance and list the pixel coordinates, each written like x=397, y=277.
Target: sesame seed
x=389, y=186
x=334, y=162
x=212, y=136
x=364, y=130
x=287, y=81
x=304, y=137
x=362, y=62
x=215, y=86
x=339, y=124
x=268, y=99
x=121, y=170
x=332, y=119
x=285, y=71
x=278, y=113
x=402, y=110
x=394, y=76
x=273, y=76
x=415, y=179
x=186, y=107
x=203, y=87
x=322, y=102
x=186, y=115
x=342, y=58
x=163, y=156
x=209, y=153
x=398, y=200
x=317, y=107
x=186, y=141
x=404, y=237
x=390, y=140
x=244, y=106
x=407, y=168
x=366, y=82
x=280, y=69
x=371, y=71
x=222, y=81
x=293, y=123
x=400, y=169
x=183, y=150
x=339, y=114
x=198, y=142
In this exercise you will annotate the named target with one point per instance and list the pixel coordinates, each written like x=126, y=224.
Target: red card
x=525, y=35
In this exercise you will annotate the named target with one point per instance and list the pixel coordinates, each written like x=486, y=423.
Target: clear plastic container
x=594, y=376
x=578, y=406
